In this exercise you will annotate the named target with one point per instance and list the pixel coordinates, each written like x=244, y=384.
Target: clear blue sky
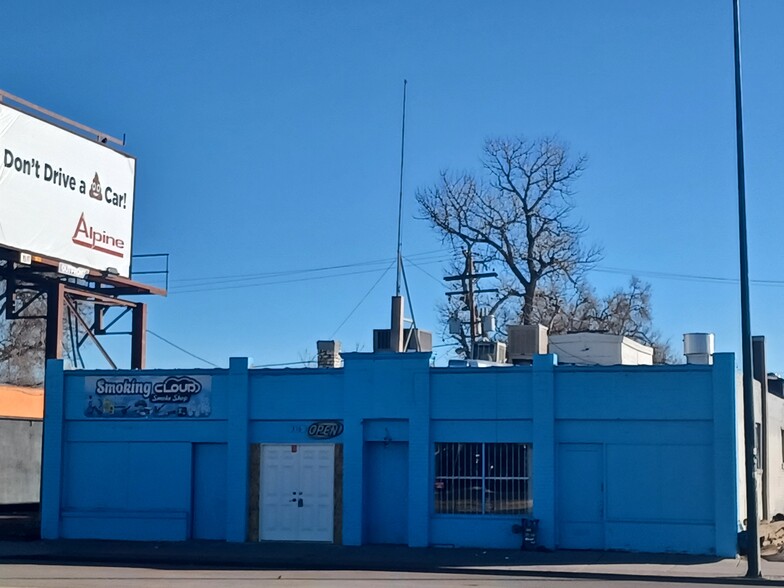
x=267, y=136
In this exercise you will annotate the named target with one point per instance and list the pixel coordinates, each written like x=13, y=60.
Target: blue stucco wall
x=658, y=444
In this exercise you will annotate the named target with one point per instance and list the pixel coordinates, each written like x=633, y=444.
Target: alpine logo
x=92, y=238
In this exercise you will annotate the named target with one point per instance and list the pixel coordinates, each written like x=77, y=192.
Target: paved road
x=60, y=576
x=203, y=564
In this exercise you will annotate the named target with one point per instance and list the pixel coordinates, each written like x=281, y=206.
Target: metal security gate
x=296, y=492
x=482, y=478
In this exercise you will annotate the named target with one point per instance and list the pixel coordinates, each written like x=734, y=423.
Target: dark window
x=782, y=448
x=483, y=478
x=758, y=445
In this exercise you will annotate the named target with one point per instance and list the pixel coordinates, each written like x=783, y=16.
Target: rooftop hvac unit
x=525, y=341
x=489, y=351
x=600, y=349
x=382, y=338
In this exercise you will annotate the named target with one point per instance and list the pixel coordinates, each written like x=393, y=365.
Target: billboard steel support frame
x=64, y=292
x=88, y=330
x=55, y=297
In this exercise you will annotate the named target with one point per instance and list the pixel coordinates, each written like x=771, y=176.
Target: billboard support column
x=139, y=336
x=55, y=298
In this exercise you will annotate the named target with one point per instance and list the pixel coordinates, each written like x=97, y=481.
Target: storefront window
x=483, y=478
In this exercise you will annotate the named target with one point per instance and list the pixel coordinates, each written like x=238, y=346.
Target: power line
x=265, y=275
x=232, y=281
x=188, y=289
x=181, y=349
x=424, y=271
x=285, y=363
x=684, y=277
x=263, y=279
x=216, y=287
x=353, y=310
x=262, y=275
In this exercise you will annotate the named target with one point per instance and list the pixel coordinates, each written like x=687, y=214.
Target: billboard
x=64, y=196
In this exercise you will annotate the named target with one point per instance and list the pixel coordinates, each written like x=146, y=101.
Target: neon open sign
x=325, y=429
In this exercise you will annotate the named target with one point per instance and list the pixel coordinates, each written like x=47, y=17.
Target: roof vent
x=698, y=348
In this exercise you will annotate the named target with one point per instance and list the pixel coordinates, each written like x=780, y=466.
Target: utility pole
x=469, y=297
x=752, y=516
x=469, y=292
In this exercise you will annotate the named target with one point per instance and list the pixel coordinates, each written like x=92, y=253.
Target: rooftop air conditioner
x=525, y=341
x=382, y=340
x=489, y=351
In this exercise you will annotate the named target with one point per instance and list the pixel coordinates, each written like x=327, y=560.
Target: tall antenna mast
x=400, y=198
x=396, y=339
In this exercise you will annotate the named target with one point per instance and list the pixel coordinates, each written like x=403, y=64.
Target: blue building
x=390, y=450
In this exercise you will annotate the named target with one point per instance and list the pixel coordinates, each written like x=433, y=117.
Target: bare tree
x=22, y=345
x=23, y=340
x=568, y=308
x=515, y=218
x=517, y=213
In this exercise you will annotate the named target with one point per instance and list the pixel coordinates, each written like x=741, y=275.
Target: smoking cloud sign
x=64, y=196
x=148, y=397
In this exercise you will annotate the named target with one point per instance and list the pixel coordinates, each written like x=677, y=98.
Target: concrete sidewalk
x=314, y=556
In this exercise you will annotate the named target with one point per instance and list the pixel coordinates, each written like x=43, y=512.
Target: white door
x=317, y=491
x=297, y=492
x=278, y=492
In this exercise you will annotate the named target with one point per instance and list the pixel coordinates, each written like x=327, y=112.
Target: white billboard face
x=64, y=196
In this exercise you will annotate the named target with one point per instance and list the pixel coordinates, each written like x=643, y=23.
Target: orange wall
x=21, y=402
